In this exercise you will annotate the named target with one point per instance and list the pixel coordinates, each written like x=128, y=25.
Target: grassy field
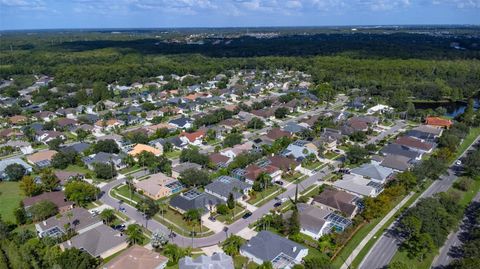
x=472, y=135
x=173, y=154
x=177, y=218
x=258, y=196
x=78, y=169
x=125, y=191
x=10, y=197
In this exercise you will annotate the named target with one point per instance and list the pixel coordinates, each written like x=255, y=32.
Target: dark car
x=279, y=182
x=247, y=215
x=277, y=204
x=212, y=218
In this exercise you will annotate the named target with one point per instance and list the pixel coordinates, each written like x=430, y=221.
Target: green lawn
x=291, y=177
x=10, y=197
x=173, y=154
x=177, y=218
x=125, y=191
x=258, y=196
x=78, y=169
x=129, y=170
x=472, y=135
x=239, y=211
x=312, y=165
x=240, y=261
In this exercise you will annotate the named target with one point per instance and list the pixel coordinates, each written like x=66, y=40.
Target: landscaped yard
x=173, y=154
x=123, y=190
x=239, y=211
x=258, y=196
x=10, y=197
x=183, y=227
x=311, y=165
x=130, y=169
x=78, y=169
x=291, y=177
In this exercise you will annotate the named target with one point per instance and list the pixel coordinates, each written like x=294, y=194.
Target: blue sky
x=46, y=14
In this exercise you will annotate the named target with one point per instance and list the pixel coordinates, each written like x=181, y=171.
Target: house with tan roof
x=17, y=119
x=158, y=186
x=41, y=158
x=137, y=257
x=139, y=148
x=108, y=124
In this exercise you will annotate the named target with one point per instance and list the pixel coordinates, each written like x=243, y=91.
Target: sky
x=63, y=14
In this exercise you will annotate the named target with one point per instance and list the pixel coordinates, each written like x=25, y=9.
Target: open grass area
x=130, y=169
x=173, y=154
x=78, y=169
x=292, y=177
x=472, y=135
x=312, y=165
x=256, y=199
x=123, y=190
x=227, y=219
x=10, y=197
x=239, y=262
x=179, y=225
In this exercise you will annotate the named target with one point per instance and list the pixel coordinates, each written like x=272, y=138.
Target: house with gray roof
x=294, y=128
x=359, y=185
x=397, y=162
x=299, y=150
x=194, y=199
x=99, y=242
x=396, y=149
x=313, y=220
x=79, y=147
x=224, y=185
x=182, y=123
x=216, y=261
x=280, y=251
x=373, y=171
x=78, y=218
x=6, y=162
x=106, y=158
x=180, y=168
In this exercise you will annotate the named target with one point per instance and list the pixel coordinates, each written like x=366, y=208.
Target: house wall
x=114, y=250
x=251, y=257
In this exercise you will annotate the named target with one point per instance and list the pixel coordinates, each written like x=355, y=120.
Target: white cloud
x=23, y=4
x=462, y=4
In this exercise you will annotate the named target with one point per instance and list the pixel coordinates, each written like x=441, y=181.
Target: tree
x=55, y=144
x=148, y=207
x=472, y=164
x=107, y=145
x=419, y=246
x=222, y=209
x=398, y=265
x=356, y=154
x=317, y=262
x=105, y=170
x=159, y=240
x=193, y=155
x=407, y=179
x=175, y=253
x=63, y=159
x=108, y=216
x=50, y=182
x=255, y=123
x=42, y=210
x=265, y=265
x=15, y=171
x=28, y=186
x=231, y=201
x=134, y=234
x=194, y=177
x=232, y=139
x=192, y=215
x=75, y=258
x=81, y=192
x=281, y=112
x=232, y=245
x=294, y=222
x=82, y=134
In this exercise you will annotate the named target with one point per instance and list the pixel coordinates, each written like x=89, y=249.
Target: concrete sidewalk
x=370, y=235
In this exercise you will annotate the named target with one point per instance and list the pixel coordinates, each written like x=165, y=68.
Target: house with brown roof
x=17, y=119
x=158, y=186
x=194, y=138
x=283, y=163
x=415, y=144
x=276, y=133
x=219, y=160
x=10, y=133
x=45, y=116
x=438, y=122
x=253, y=171
x=108, y=124
x=66, y=122
x=56, y=197
x=41, y=158
x=137, y=257
x=337, y=200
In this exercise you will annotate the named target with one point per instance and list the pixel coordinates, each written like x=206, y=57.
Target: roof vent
x=294, y=249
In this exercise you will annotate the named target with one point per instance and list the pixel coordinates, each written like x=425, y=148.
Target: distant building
x=216, y=261
x=137, y=257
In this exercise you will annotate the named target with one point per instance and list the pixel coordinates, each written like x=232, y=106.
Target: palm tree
x=134, y=234
x=108, y=216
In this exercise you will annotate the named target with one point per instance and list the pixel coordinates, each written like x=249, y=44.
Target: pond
x=453, y=108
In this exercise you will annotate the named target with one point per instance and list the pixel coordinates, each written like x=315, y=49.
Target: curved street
x=214, y=239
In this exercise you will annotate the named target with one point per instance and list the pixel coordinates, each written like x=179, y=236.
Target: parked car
x=279, y=182
x=277, y=204
x=247, y=215
x=212, y=218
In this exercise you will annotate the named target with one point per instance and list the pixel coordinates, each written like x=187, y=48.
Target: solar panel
x=225, y=179
x=43, y=163
x=191, y=194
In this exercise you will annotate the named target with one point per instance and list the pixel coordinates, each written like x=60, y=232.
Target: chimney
x=294, y=249
x=45, y=223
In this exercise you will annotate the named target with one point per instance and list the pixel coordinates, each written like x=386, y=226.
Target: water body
x=453, y=108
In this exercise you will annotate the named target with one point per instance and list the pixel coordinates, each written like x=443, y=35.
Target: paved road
x=234, y=228
x=453, y=241
x=392, y=130
x=387, y=245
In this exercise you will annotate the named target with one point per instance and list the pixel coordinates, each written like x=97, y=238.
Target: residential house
x=223, y=186
x=253, y=171
x=105, y=158
x=294, y=128
x=158, y=186
x=177, y=143
x=283, y=163
x=139, y=148
x=280, y=251
x=373, y=171
x=194, y=138
x=45, y=116
x=99, y=242
x=47, y=136
x=108, y=124
x=66, y=123
x=438, y=122
x=337, y=201
x=395, y=149
x=137, y=257
x=300, y=150
x=194, y=199
x=359, y=185
x=182, y=123
x=276, y=133
x=415, y=144
x=23, y=146
x=79, y=147
x=397, y=162
x=17, y=120
x=41, y=159
x=219, y=160
x=178, y=169
x=381, y=109
x=79, y=219
x=10, y=133
x=6, y=162
x=56, y=197
x=216, y=261
x=65, y=176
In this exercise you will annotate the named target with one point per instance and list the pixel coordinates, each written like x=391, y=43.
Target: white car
x=458, y=162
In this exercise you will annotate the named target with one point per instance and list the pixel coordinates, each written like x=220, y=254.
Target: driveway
x=399, y=125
